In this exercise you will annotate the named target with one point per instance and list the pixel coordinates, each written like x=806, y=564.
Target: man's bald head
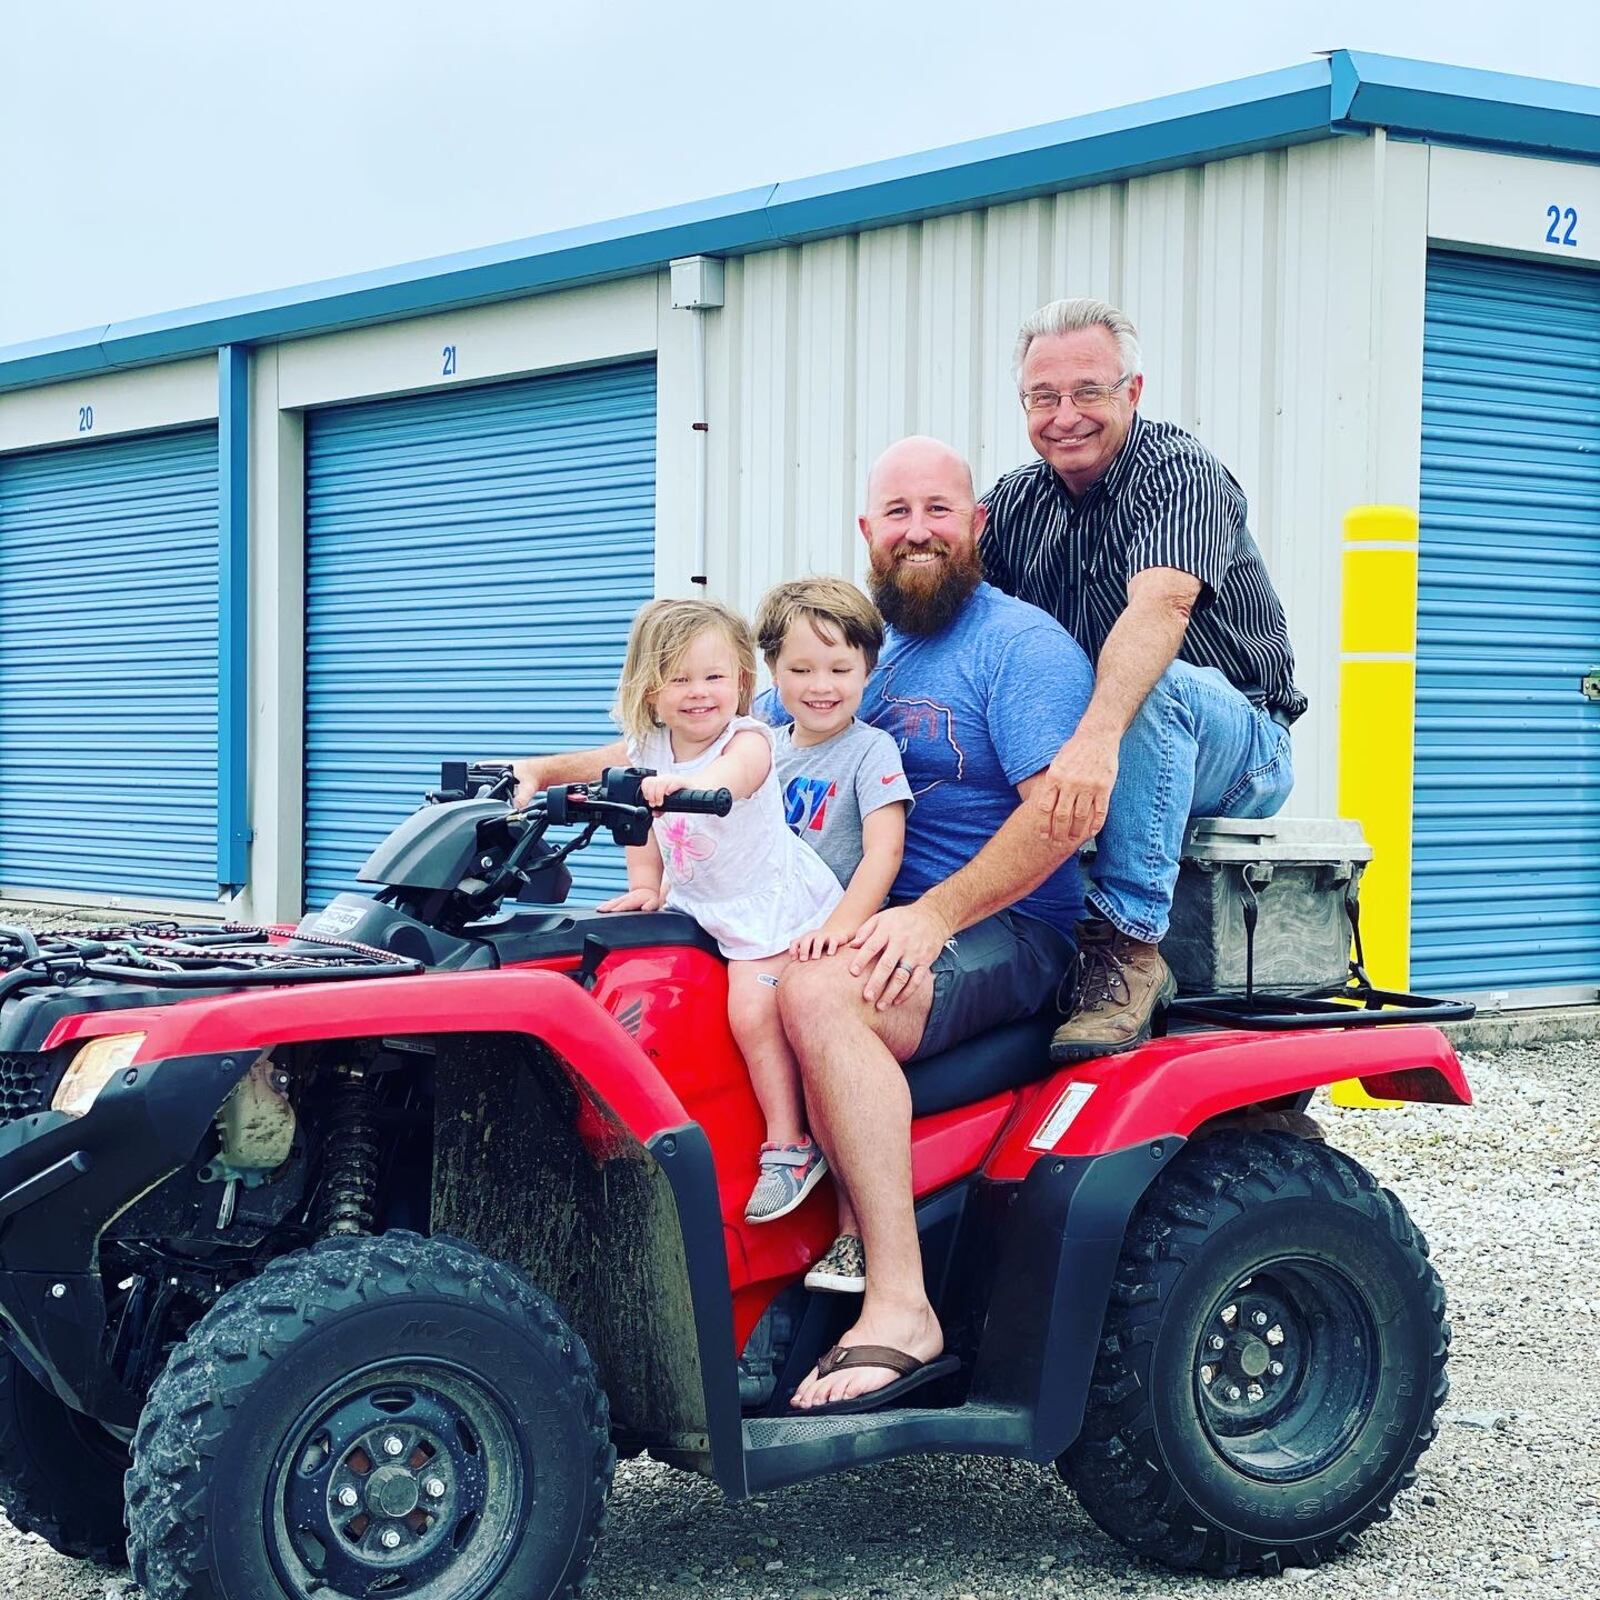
x=919, y=463
x=922, y=525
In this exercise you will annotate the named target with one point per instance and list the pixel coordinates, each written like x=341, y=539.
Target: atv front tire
x=373, y=1414
x=60, y=1472
x=1271, y=1364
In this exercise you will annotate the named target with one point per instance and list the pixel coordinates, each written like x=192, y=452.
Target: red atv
x=345, y=1261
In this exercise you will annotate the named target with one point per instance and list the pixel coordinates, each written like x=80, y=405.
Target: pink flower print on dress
x=681, y=847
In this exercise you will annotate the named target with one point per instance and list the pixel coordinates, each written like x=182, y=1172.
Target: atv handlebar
x=707, y=802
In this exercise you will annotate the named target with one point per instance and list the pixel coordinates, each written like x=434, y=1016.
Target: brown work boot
x=1121, y=982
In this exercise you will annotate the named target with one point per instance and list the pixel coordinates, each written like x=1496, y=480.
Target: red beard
x=924, y=599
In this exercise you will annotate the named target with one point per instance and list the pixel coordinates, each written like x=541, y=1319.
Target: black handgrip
x=708, y=802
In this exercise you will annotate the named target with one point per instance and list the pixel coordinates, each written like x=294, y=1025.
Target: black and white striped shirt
x=1165, y=501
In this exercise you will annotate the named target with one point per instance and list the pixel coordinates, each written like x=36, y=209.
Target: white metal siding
x=1277, y=324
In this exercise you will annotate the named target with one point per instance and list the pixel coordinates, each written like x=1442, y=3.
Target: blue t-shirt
x=975, y=709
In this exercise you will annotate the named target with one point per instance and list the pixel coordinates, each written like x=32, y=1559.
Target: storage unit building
x=1359, y=280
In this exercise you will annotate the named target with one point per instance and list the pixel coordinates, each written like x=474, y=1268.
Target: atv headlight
x=94, y=1066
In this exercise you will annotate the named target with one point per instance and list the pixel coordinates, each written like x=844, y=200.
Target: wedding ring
x=901, y=966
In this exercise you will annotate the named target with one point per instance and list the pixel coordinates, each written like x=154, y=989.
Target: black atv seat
x=1003, y=1058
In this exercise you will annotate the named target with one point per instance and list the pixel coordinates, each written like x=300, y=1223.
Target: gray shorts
x=1004, y=968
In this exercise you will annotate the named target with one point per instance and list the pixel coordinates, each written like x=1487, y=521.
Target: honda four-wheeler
x=346, y=1260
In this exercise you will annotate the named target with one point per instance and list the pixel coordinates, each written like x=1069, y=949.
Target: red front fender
x=543, y=1005
x=1172, y=1085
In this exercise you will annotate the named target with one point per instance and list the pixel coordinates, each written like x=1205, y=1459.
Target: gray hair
x=1072, y=316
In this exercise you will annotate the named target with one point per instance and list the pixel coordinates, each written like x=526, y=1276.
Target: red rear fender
x=1172, y=1085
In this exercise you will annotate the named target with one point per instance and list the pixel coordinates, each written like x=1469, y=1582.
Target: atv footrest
x=788, y=1449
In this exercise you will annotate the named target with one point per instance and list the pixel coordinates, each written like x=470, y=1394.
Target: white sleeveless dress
x=745, y=878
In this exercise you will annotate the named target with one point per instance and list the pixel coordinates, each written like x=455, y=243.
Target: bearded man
x=979, y=690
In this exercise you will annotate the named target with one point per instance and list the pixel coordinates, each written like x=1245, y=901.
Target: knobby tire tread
x=1115, y=1466
x=185, y=1418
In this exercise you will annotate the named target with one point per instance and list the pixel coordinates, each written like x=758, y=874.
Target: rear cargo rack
x=1355, y=1003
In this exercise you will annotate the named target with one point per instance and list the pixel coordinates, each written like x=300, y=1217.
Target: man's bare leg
x=850, y=1056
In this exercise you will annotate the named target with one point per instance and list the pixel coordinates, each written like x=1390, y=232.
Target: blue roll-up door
x=473, y=561
x=1506, y=877
x=108, y=668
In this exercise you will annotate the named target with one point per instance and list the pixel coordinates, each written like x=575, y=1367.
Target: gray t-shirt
x=830, y=788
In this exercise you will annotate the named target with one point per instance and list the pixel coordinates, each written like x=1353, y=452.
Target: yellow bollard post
x=1377, y=731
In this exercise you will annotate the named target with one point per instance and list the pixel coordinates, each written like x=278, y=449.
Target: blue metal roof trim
x=1269, y=110
x=1349, y=92
x=1462, y=105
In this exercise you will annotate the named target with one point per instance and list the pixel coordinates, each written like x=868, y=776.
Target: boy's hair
x=661, y=633
x=835, y=608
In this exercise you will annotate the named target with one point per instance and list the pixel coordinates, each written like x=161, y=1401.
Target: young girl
x=683, y=707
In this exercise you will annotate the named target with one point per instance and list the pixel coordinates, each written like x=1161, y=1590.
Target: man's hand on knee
x=896, y=948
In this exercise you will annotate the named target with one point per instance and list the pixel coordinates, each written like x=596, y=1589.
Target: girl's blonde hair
x=661, y=634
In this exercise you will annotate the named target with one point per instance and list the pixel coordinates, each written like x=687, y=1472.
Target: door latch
x=1589, y=683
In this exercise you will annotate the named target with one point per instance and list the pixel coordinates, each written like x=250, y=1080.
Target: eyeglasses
x=1086, y=397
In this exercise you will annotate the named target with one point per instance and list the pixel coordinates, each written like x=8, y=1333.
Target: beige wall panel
x=1236, y=320
x=277, y=645
x=1160, y=285
x=1017, y=280
x=888, y=278
x=1400, y=267
x=763, y=522
x=950, y=366
x=825, y=485
x=1086, y=251
x=544, y=333
x=112, y=403
x=675, y=439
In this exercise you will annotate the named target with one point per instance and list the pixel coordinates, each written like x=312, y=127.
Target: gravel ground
x=1507, y=1501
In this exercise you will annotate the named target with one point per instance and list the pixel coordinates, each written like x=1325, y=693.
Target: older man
x=1132, y=535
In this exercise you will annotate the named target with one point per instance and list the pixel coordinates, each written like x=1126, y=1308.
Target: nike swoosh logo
x=894, y=777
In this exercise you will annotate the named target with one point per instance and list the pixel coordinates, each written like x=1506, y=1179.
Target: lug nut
x=433, y=1488
x=393, y=1445
x=1276, y=1369
x=389, y=1539
x=1229, y=1313
x=1206, y=1374
x=1256, y=1391
x=1274, y=1335
x=1233, y=1393
x=348, y=1498
x=1216, y=1341
x=1260, y=1319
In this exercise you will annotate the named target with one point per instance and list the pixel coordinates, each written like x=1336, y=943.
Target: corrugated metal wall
x=473, y=561
x=1506, y=868
x=108, y=668
x=1253, y=284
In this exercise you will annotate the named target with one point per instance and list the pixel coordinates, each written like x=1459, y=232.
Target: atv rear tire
x=60, y=1472
x=1271, y=1365
x=373, y=1413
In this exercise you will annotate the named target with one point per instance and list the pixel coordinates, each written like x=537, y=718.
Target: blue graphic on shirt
x=805, y=803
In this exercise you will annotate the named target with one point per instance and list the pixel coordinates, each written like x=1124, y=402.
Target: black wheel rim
x=407, y=1478
x=1286, y=1369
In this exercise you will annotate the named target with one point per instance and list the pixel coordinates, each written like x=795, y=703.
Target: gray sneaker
x=789, y=1172
x=842, y=1270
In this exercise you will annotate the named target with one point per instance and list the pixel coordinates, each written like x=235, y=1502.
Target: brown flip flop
x=913, y=1374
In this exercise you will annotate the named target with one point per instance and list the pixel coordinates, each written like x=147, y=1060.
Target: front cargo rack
x=178, y=956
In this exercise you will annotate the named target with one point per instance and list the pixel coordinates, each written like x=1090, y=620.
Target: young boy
x=844, y=787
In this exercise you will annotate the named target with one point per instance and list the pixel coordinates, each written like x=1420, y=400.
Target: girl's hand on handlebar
x=654, y=790
x=635, y=900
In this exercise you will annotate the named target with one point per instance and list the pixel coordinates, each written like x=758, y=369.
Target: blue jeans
x=1198, y=748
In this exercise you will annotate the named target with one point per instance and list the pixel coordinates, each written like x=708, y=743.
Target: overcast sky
x=162, y=153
